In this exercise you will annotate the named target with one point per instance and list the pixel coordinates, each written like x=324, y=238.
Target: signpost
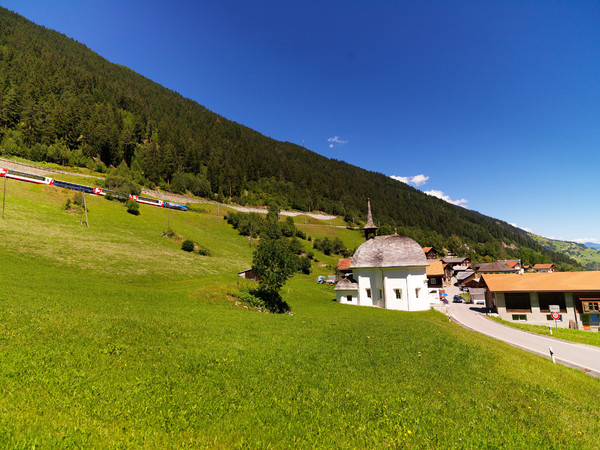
x=555, y=314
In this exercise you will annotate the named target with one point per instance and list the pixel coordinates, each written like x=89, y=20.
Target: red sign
x=555, y=315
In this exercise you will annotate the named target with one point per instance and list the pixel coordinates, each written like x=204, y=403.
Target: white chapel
x=387, y=272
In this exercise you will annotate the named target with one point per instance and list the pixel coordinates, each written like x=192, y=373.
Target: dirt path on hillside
x=247, y=209
x=165, y=196
x=37, y=170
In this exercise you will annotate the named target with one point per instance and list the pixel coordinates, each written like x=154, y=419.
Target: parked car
x=321, y=279
x=457, y=299
x=331, y=280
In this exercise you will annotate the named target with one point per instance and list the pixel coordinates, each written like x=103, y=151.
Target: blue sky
x=491, y=105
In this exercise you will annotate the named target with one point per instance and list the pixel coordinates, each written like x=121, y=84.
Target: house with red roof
x=544, y=268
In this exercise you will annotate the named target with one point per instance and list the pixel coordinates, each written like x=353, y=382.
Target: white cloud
x=417, y=180
x=446, y=198
x=529, y=230
x=336, y=140
x=582, y=240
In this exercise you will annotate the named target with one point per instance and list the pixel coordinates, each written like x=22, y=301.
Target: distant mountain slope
x=592, y=245
x=584, y=255
x=61, y=102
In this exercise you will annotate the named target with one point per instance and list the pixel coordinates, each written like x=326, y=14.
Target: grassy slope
x=588, y=257
x=580, y=336
x=113, y=336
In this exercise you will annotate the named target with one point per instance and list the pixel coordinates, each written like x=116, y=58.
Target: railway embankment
x=161, y=195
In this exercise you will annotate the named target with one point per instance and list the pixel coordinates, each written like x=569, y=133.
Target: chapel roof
x=389, y=251
x=456, y=260
x=346, y=285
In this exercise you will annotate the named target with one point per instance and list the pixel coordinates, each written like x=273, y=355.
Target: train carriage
x=38, y=179
x=171, y=205
x=29, y=177
x=74, y=186
x=147, y=200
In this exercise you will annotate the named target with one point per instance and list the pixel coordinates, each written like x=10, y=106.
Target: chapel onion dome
x=389, y=251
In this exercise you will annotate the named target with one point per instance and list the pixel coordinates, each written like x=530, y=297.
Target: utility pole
x=81, y=214
x=84, y=209
x=86, y=215
x=4, y=197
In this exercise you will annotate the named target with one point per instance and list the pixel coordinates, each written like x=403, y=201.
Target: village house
x=448, y=272
x=513, y=263
x=495, y=267
x=456, y=261
x=527, y=298
x=457, y=269
x=544, y=268
x=435, y=279
x=472, y=282
x=430, y=252
x=344, y=266
x=248, y=274
x=477, y=295
x=462, y=278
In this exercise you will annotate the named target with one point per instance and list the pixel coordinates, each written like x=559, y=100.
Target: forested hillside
x=61, y=102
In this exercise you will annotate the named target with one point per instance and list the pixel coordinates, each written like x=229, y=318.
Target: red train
x=38, y=179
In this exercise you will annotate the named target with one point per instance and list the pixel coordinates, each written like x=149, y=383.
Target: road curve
x=580, y=356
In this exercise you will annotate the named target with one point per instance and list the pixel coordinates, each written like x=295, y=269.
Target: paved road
x=580, y=356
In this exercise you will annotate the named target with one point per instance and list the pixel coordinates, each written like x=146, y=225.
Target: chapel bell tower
x=370, y=229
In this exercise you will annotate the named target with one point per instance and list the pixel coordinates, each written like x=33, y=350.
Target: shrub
x=272, y=300
x=250, y=299
x=288, y=229
x=304, y=265
x=78, y=198
x=133, y=207
x=203, y=251
x=295, y=246
x=187, y=246
x=122, y=187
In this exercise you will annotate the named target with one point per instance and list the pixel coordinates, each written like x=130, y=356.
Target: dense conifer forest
x=61, y=102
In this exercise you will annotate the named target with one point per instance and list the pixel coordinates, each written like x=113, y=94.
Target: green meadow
x=579, y=336
x=112, y=336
